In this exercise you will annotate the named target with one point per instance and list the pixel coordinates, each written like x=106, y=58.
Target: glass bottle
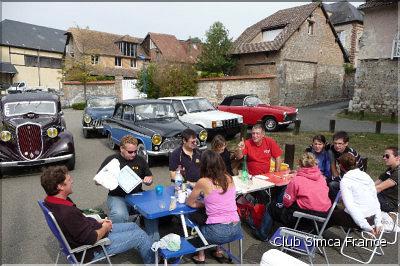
x=178, y=178
x=245, y=174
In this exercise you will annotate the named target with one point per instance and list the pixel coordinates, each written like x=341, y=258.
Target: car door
x=250, y=111
x=236, y=106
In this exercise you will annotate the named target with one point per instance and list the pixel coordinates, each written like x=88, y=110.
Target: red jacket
x=308, y=189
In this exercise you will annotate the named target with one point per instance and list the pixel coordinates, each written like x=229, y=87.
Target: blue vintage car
x=98, y=108
x=153, y=122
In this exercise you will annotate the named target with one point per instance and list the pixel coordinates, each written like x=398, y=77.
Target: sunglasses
x=387, y=156
x=131, y=152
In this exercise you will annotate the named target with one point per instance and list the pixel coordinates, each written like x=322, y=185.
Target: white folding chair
x=393, y=230
x=64, y=246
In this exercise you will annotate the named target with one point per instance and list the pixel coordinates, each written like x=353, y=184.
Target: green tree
x=215, y=57
x=164, y=79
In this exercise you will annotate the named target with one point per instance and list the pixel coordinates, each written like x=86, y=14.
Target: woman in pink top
x=217, y=187
x=306, y=192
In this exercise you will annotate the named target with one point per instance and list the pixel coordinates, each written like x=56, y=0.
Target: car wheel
x=270, y=124
x=110, y=142
x=71, y=163
x=141, y=151
x=86, y=133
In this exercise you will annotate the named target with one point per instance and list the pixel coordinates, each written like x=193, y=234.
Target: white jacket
x=359, y=197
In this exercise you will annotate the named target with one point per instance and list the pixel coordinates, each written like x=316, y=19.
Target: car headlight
x=240, y=120
x=156, y=139
x=52, y=132
x=5, y=135
x=87, y=118
x=203, y=135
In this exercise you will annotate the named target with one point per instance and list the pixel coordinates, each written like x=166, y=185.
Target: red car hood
x=278, y=108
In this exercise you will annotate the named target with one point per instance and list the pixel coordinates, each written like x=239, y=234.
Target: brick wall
x=216, y=89
x=72, y=91
x=376, y=88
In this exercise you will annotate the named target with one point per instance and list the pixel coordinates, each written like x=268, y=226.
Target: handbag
x=250, y=210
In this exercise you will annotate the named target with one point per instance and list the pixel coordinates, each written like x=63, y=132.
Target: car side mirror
x=181, y=113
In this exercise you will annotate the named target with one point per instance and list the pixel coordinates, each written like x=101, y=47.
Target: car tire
x=86, y=133
x=270, y=124
x=141, y=151
x=110, y=142
x=71, y=163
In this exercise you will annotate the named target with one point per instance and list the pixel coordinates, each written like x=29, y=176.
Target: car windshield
x=252, y=101
x=198, y=105
x=102, y=102
x=154, y=111
x=37, y=107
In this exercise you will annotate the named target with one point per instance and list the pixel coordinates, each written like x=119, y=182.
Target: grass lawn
x=369, y=145
x=368, y=117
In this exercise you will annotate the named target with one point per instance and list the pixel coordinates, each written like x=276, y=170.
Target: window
x=310, y=27
x=128, y=113
x=270, y=35
x=396, y=46
x=118, y=61
x=118, y=112
x=95, y=59
x=45, y=62
x=133, y=63
x=128, y=49
x=178, y=106
x=342, y=36
x=31, y=61
x=236, y=102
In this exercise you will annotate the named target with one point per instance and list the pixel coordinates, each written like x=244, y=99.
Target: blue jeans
x=266, y=225
x=126, y=236
x=119, y=213
x=221, y=233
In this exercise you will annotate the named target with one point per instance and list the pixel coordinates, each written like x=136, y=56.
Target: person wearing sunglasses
x=387, y=183
x=119, y=210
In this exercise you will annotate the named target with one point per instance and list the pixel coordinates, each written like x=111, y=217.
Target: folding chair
x=304, y=243
x=395, y=226
x=64, y=246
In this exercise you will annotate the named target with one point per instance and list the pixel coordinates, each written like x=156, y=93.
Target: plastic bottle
x=245, y=174
x=178, y=178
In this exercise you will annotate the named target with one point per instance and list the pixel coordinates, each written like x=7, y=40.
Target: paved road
x=316, y=118
x=26, y=237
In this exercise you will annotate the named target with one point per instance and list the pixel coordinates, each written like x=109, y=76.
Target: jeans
x=266, y=224
x=221, y=233
x=387, y=205
x=126, y=236
x=119, y=213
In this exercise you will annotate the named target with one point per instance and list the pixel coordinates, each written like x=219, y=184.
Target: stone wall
x=348, y=85
x=73, y=90
x=216, y=89
x=377, y=87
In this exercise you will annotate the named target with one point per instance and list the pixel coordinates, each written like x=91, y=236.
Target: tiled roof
x=25, y=35
x=174, y=50
x=343, y=12
x=377, y=3
x=101, y=43
x=290, y=19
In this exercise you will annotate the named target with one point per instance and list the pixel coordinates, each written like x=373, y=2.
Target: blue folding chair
x=304, y=243
x=64, y=246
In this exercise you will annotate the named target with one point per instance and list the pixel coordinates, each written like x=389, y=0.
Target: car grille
x=96, y=123
x=230, y=123
x=170, y=144
x=30, y=141
x=291, y=117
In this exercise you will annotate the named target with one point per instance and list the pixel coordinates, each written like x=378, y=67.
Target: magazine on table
x=128, y=180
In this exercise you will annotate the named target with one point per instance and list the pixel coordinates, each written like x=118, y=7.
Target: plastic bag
x=251, y=211
x=172, y=242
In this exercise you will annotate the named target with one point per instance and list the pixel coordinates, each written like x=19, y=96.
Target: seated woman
x=318, y=149
x=306, y=192
x=361, y=204
x=387, y=183
x=218, y=144
x=223, y=223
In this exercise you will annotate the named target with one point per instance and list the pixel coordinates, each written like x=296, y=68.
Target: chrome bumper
x=93, y=127
x=286, y=122
x=36, y=162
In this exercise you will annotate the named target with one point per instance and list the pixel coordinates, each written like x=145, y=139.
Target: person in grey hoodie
x=362, y=208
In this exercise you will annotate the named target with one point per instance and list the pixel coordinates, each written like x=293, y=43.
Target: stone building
x=300, y=46
x=348, y=23
x=31, y=53
x=377, y=75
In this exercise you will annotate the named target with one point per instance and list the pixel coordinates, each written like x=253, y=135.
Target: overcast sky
x=182, y=19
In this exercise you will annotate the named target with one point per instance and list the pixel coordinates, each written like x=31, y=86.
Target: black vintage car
x=153, y=122
x=98, y=108
x=32, y=131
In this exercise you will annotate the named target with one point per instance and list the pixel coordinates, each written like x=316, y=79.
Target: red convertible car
x=253, y=110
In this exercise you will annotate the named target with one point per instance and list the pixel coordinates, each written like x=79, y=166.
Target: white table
x=256, y=184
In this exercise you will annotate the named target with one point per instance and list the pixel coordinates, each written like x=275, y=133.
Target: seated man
x=340, y=146
x=80, y=230
x=187, y=156
x=259, y=150
x=119, y=209
x=387, y=183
